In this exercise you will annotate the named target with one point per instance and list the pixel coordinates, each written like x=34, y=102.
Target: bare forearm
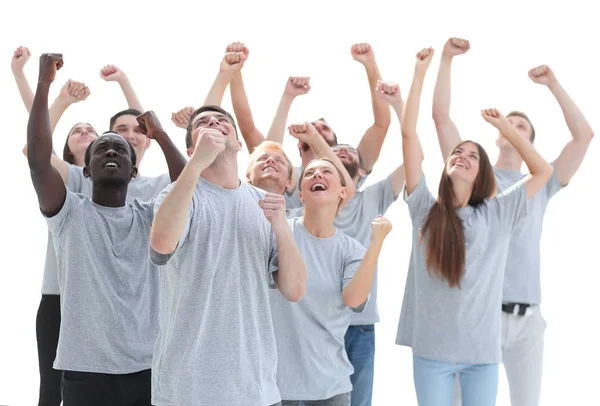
x=277, y=129
x=24, y=89
x=171, y=217
x=291, y=276
x=411, y=147
x=132, y=100
x=39, y=132
x=447, y=133
x=381, y=110
x=59, y=106
x=576, y=121
x=216, y=92
x=175, y=159
x=357, y=291
x=323, y=150
x=536, y=164
x=241, y=107
x=410, y=114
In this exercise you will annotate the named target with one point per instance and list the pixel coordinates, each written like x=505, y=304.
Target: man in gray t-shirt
x=108, y=296
x=223, y=244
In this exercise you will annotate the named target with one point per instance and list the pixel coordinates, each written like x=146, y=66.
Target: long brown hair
x=446, y=251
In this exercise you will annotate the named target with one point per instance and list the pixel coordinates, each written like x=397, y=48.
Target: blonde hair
x=268, y=146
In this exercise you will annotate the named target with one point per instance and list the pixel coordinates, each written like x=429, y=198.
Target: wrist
x=287, y=97
x=44, y=83
x=447, y=57
x=123, y=81
x=18, y=71
x=158, y=134
x=279, y=226
x=553, y=85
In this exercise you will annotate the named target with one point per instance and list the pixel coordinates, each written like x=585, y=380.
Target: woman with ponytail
x=450, y=313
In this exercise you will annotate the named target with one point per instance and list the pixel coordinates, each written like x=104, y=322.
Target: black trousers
x=47, y=327
x=92, y=389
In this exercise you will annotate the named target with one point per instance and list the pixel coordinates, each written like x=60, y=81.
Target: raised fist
x=238, y=47
x=380, y=228
x=111, y=73
x=456, y=46
x=73, y=91
x=273, y=205
x=495, y=118
x=297, y=85
x=20, y=58
x=389, y=92
x=149, y=124
x=304, y=132
x=362, y=53
x=424, y=58
x=182, y=117
x=209, y=144
x=49, y=64
x=233, y=62
x=542, y=75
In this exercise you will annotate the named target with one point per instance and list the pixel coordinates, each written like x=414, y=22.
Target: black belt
x=510, y=308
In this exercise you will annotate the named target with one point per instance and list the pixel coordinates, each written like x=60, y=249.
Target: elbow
x=161, y=244
x=295, y=295
x=351, y=300
x=407, y=132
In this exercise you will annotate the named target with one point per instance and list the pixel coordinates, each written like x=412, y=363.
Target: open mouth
x=269, y=168
x=111, y=164
x=461, y=165
x=318, y=187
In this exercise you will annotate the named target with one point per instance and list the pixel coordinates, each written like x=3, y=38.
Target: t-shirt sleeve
x=162, y=259
x=553, y=186
x=380, y=195
x=351, y=264
x=419, y=202
x=56, y=223
x=510, y=206
x=75, y=178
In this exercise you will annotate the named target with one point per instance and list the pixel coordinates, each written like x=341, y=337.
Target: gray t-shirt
x=108, y=288
x=216, y=344
x=460, y=324
x=522, y=278
x=142, y=188
x=292, y=200
x=355, y=220
x=312, y=360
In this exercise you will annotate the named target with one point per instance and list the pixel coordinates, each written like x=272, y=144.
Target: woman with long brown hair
x=450, y=312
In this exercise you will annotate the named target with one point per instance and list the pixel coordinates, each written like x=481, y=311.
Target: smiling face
x=110, y=161
x=127, y=127
x=216, y=121
x=321, y=185
x=350, y=159
x=270, y=170
x=463, y=163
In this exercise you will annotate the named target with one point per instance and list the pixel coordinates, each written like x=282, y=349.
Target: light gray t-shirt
x=522, y=278
x=460, y=324
x=312, y=360
x=355, y=220
x=216, y=344
x=292, y=200
x=143, y=188
x=108, y=288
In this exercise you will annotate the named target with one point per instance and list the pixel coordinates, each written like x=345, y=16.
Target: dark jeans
x=360, y=347
x=47, y=327
x=92, y=389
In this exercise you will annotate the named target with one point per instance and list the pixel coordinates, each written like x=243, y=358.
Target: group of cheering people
x=198, y=288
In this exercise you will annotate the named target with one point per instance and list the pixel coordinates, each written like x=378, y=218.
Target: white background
x=171, y=52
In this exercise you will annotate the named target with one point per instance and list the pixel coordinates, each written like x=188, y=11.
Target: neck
x=79, y=161
x=462, y=194
x=509, y=159
x=109, y=196
x=223, y=173
x=270, y=187
x=319, y=220
x=307, y=157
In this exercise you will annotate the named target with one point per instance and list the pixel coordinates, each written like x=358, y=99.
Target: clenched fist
x=273, y=205
x=424, y=58
x=542, y=75
x=49, y=64
x=20, y=58
x=209, y=144
x=380, y=228
x=363, y=53
x=495, y=118
x=111, y=73
x=182, y=117
x=297, y=85
x=389, y=93
x=149, y=124
x=73, y=92
x=456, y=46
x=303, y=132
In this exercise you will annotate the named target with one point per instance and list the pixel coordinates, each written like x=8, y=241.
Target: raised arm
x=230, y=66
x=357, y=291
x=291, y=276
x=17, y=64
x=151, y=127
x=539, y=170
x=171, y=218
x=294, y=87
x=47, y=182
x=390, y=94
x=111, y=73
x=411, y=147
x=572, y=155
x=182, y=118
x=72, y=92
x=448, y=135
x=372, y=141
x=308, y=134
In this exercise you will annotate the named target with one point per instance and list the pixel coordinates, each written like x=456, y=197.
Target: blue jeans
x=360, y=347
x=434, y=382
